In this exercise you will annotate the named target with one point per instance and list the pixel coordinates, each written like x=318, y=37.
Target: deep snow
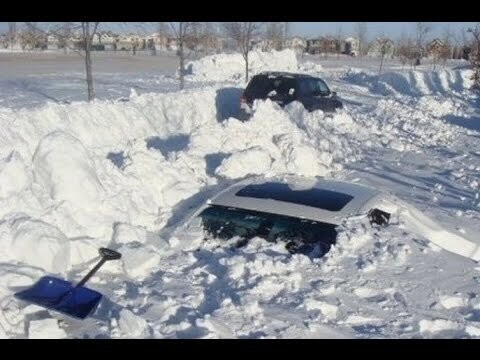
x=124, y=173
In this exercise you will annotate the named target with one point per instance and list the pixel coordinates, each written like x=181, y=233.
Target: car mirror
x=334, y=93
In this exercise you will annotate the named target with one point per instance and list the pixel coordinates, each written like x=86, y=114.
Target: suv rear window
x=261, y=86
x=318, y=198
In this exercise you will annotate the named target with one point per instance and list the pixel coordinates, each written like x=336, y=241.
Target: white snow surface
x=125, y=173
x=224, y=67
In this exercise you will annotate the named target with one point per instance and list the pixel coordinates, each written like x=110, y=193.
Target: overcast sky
x=312, y=29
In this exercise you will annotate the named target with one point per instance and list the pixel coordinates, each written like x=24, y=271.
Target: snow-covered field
x=125, y=170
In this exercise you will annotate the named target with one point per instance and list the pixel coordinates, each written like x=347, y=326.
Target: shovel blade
x=60, y=295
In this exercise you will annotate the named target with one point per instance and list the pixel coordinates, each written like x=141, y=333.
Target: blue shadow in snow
x=172, y=144
x=470, y=123
x=227, y=102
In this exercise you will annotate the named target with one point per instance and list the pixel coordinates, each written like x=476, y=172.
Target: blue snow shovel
x=60, y=295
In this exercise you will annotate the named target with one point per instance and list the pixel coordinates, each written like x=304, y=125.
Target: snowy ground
x=125, y=170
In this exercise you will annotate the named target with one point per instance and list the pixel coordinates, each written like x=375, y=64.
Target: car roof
x=285, y=74
x=308, y=198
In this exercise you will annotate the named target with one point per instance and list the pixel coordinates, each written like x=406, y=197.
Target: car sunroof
x=319, y=198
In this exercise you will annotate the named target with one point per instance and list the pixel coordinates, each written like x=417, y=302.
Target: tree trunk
x=88, y=63
x=182, y=65
x=381, y=64
x=246, y=66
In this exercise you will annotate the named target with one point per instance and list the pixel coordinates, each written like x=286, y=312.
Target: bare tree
x=12, y=33
x=83, y=47
x=243, y=33
x=361, y=34
x=88, y=30
x=339, y=41
x=405, y=50
x=275, y=34
x=475, y=56
x=385, y=45
x=183, y=33
x=286, y=31
x=421, y=31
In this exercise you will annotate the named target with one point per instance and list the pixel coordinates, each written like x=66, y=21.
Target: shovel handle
x=107, y=254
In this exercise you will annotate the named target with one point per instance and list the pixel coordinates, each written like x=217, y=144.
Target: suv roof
x=284, y=74
x=322, y=200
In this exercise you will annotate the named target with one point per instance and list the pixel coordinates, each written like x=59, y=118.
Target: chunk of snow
x=139, y=261
x=45, y=329
x=437, y=325
x=132, y=325
x=253, y=161
x=450, y=302
x=35, y=243
x=14, y=175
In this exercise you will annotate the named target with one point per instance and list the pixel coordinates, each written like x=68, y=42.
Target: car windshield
x=314, y=87
x=300, y=235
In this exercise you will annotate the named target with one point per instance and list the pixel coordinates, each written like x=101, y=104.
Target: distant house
x=261, y=44
x=157, y=41
x=437, y=48
x=297, y=44
x=172, y=44
x=351, y=46
x=381, y=46
x=211, y=43
x=4, y=41
x=53, y=42
x=104, y=40
x=323, y=45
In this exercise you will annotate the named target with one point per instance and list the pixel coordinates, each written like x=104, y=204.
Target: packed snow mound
x=34, y=243
x=253, y=161
x=15, y=175
x=412, y=83
x=65, y=169
x=225, y=67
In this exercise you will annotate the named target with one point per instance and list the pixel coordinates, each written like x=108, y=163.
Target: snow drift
x=412, y=83
x=228, y=67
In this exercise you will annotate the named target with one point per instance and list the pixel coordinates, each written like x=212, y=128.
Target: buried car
x=304, y=213
x=284, y=88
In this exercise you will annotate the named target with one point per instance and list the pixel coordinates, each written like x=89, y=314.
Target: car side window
x=299, y=235
x=314, y=87
x=285, y=87
x=227, y=223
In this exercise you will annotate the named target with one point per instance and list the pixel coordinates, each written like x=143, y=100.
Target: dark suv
x=283, y=88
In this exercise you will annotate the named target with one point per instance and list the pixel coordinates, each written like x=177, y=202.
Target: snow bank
x=412, y=83
x=224, y=67
x=45, y=329
x=15, y=175
x=64, y=168
x=35, y=243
